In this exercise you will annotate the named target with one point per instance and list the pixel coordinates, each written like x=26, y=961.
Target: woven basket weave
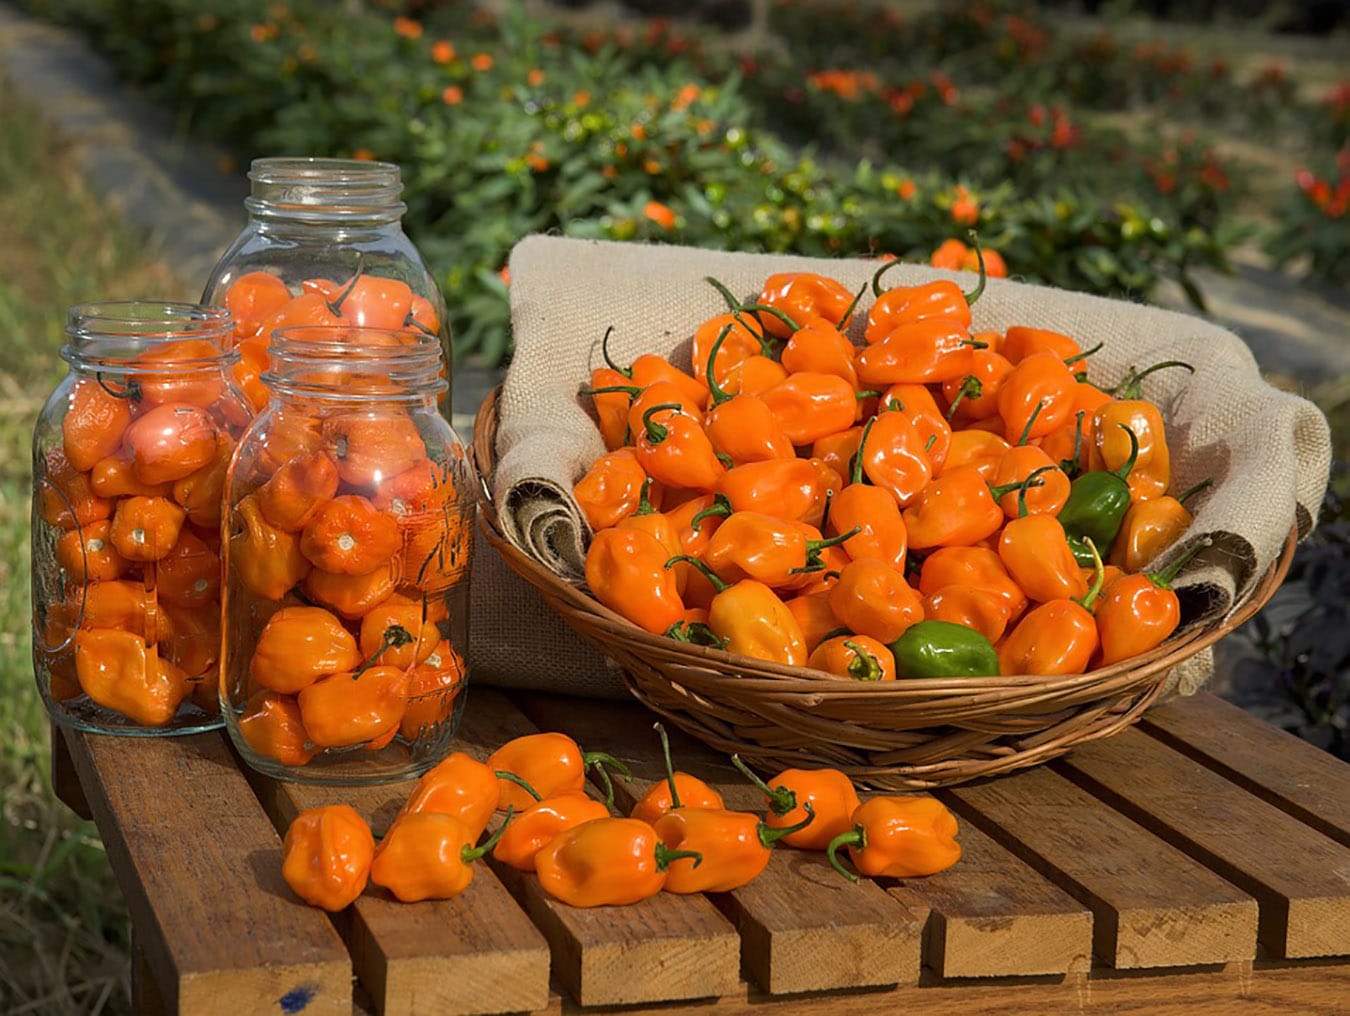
x=896, y=735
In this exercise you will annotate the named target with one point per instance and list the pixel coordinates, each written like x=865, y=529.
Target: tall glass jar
x=324, y=245
x=347, y=540
x=130, y=456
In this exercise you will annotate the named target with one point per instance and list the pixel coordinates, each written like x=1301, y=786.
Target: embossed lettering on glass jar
x=130, y=456
x=324, y=245
x=347, y=543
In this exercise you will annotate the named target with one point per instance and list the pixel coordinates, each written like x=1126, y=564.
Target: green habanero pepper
x=1097, y=504
x=943, y=649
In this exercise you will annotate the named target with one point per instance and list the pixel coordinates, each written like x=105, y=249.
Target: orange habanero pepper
x=791, y=489
x=979, y=449
x=893, y=456
x=1138, y=612
x=976, y=567
x=349, y=535
x=810, y=406
x=88, y=555
x=871, y=511
x=901, y=305
x=551, y=763
x=1150, y=527
x=94, y=423
x=112, y=477
x=857, y=657
x=294, y=493
x=611, y=394
x=169, y=442
x=872, y=598
x=625, y=570
x=193, y=387
x=189, y=575
x=975, y=396
x=433, y=686
x=743, y=342
x=743, y=427
x=1036, y=397
x=1035, y=550
x=271, y=726
x=751, y=620
x=118, y=671
x=541, y=823
x=1019, y=342
x=1056, y=637
x=370, y=447
x=957, y=509
x=677, y=790
x=677, y=451
x=829, y=792
x=732, y=847
x=1111, y=446
x=765, y=548
x=429, y=856
x=254, y=297
x=649, y=368
x=819, y=348
x=605, y=862
x=405, y=613
x=1021, y=464
x=815, y=617
x=352, y=596
x=459, y=785
x=299, y=645
x=354, y=707
x=327, y=856
x=930, y=351
x=611, y=488
x=899, y=837
x=917, y=403
x=976, y=609
x=146, y=528
x=803, y=296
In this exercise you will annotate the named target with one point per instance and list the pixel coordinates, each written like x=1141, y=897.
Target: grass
x=63, y=924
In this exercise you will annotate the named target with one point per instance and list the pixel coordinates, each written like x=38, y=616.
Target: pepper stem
x=781, y=800
x=132, y=391
x=510, y=777
x=1091, y=597
x=1124, y=471
x=769, y=835
x=604, y=352
x=632, y=391
x=335, y=305
x=1066, y=464
x=394, y=635
x=644, y=502
x=763, y=308
x=656, y=433
x=813, y=546
x=735, y=307
x=1084, y=354
x=670, y=766
x=470, y=854
x=971, y=387
x=857, y=476
x=864, y=666
x=975, y=293
x=664, y=856
x=876, y=278
x=1130, y=387
x=1182, y=498
x=718, y=395
x=1026, y=431
x=708, y=573
x=597, y=760
x=848, y=312
x=855, y=837
x=1021, y=485
x=1164, y=578
x=1022, y=490
x=695, y=633
x=720, y=508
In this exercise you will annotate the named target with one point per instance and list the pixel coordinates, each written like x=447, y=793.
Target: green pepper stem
x=855, y=837
x=972, y=387
x=1084, y=354
x=1124, y=471
x=664, y=856
x=731, y=301
x=132, y=392
x=609, y=361
x=1091, y=597
x=468, y=854
x=1026, y=431
x=814, y=546
x=866, y=393
x=656, y=433
x=598, y=760
x=763, y=308
x=769, y=835
x=644, y=502
x=734, y=306
x=864, y=666
x=876, y=277
x=394, y=635
x=781, y=800
x=848, y=312
x=1022, y=489
x=974, y=343
x=670, y=766
x=825, y=512
x=510, y=777
x=997, y=492
x=708, y=573
x=857, y=476
x=720, y=508
x=1182, y=498
x=335, y=305
x=976, y=293
x=695, y=633
x=632, y=391
x=1077, y=444
x=1130, y=387
x=1164, y=579
x=718, y=395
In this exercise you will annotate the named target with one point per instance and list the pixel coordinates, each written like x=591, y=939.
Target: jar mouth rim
x=146, y=319
x=410, y=362
x=360, y=343
x=318, y=169
x=318, y=191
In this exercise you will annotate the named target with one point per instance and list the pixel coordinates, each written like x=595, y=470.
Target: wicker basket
x=900, y=735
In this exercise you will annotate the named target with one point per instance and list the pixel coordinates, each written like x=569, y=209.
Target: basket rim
x=783, y=678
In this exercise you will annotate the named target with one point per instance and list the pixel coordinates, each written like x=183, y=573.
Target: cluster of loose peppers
x=678, y=838
x=934, y=503
x=344, y=543
x=261, y=303
x=134, y=490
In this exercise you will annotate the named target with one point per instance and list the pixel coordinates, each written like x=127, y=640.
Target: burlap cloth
x=1268, y=451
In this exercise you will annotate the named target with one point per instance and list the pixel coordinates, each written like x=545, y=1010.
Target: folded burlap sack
x=1267, y=451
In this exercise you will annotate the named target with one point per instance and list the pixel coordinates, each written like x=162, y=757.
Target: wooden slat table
x=1198, y=863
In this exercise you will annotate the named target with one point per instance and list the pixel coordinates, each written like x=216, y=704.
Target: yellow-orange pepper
x=541, y=823
x=856, y=657
x=299, y=645
x=550, y=763
x=605, y=862
x=428, y=856
x=829, y=793
x=267, y=559
x=272, y=726
x=351, y=536
x=88, y=555
x=349, y=708
x=294, y=493
x=327, y=856
x=899, y=837
x=118, y=671
x=1150, y=527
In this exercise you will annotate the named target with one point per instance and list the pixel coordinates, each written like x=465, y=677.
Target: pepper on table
x=606, y=862
x=898, y=837
x=830, y=794
x=678, y=789
x=550, y=763
x=542, y=822
x=461, y=786
x=326, y=856
x=733, y=847
x=429, y=856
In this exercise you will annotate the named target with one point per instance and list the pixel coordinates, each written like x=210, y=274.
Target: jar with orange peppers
x=324, y=245
x=346, y=547
x=130, y=456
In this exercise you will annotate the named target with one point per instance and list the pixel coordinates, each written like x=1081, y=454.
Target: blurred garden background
x=1191, y=153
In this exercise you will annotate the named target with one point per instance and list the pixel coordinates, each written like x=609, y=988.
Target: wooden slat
x=200, y=866
x=65, y=780
x=1152, y=906
x=1300, y=878
x=1260, y=989
x=802, y=926
x=1308, y=783
x=662, y=949
x=476, y=953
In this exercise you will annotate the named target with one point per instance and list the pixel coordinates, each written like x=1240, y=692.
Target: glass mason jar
x=130, y=456
x=347, y=540
x=324, y=245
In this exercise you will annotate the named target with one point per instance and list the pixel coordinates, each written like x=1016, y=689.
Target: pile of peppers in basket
x=679, y=837
x=936, y=503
